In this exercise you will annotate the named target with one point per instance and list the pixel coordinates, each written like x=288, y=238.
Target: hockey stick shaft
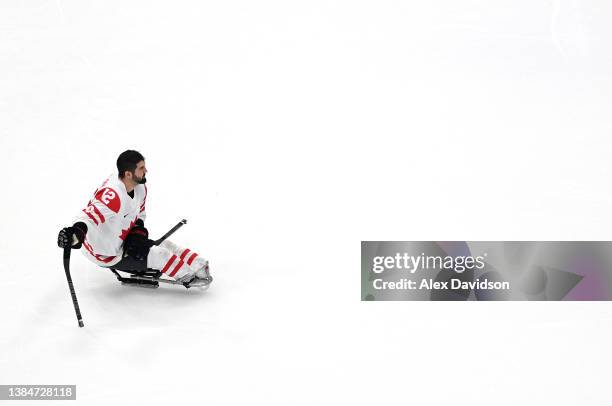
x=172, y=231
x=71, y=286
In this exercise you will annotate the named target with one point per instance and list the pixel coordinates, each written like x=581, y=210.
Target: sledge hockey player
x=112, y=231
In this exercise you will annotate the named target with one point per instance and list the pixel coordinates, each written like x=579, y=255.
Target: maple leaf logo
x=125, y=232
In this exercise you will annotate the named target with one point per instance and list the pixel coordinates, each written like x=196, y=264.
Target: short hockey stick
x=71, y=286
x=169, y=233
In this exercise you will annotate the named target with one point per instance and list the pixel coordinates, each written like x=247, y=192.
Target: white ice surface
x=287, y=132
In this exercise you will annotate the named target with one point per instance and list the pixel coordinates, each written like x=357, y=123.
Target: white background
x=286, y=132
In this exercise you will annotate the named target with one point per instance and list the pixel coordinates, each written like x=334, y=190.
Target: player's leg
x=191, y=259
x=173, y=261
x=159, y=258
x=172, y=265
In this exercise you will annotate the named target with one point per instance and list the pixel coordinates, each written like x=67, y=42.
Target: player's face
x=140, y=173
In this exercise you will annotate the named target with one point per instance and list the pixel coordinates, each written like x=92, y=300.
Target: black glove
x=137, y=243
x=72, y=237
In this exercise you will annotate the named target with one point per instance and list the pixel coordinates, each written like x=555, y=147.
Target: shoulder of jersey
x=109, y=197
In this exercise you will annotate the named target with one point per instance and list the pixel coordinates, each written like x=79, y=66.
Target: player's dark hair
x=128, y=161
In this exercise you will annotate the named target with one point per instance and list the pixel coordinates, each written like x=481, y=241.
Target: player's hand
x=137, y=243
x=68, y=238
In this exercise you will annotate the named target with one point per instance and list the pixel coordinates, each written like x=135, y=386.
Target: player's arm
x=142, y=216
x=104, y=206
x=143, y=210
x=137, y=243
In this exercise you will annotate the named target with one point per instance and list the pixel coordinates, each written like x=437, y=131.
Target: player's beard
x=140, y=181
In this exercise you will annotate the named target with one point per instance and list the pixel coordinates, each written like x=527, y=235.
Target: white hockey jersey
x=109, y=216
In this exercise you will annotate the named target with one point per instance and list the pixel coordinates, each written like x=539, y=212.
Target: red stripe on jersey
x=176, y=268
x=99, y=214
x=191, y=258
x=170, y=261
x=105, y=260
x=90, y=216
x=144, y=199
x=100, y=258
x=87, y=247
x=184, y=253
